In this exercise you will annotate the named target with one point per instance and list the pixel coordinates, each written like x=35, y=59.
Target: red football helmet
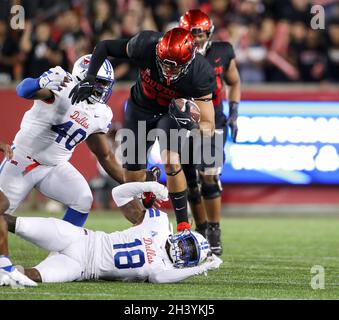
x=175, y=51
x=197, y=22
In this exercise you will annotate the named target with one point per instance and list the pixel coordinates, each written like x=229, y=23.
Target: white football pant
x=62, y=183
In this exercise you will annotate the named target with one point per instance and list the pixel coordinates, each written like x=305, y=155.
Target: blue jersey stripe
x=151, y=213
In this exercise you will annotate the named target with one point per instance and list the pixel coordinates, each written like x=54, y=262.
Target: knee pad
x=211, y=190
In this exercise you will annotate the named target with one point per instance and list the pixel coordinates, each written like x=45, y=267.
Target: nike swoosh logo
x=178, y=198
x=183, y=122
x=96, y=116
x=179, y=208
x=217, y=60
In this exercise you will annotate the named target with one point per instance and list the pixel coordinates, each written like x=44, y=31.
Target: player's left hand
x=82, y=90
x=213, y=262
x=232, y=119
x=7, y=150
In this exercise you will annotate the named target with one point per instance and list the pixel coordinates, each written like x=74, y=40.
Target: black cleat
x=213, y=237
x=202, y=228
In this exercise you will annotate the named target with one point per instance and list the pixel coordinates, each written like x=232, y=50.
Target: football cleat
x=213, y=237
x=15, y=279
x=202, y=231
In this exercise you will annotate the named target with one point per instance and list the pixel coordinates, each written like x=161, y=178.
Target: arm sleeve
x=176, y=275
x=127, y=191
x=112, y=48
x=140, y=46
x=28, y=87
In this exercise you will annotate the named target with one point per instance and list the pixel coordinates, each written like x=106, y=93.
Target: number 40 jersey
x=50, y=130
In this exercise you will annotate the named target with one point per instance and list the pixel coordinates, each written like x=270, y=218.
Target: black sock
x=214, y=225
x=179, y=202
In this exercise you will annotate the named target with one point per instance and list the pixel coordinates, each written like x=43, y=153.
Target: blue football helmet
x=187, y=248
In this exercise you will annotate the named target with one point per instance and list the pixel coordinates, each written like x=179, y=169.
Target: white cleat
x=15, y=279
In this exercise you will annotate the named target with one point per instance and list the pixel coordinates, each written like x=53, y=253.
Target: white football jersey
x=49, y=132
x=134, y=254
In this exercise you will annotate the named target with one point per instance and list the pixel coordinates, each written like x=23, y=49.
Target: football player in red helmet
x=169, y=69
x=174, y=53
x=221, y=56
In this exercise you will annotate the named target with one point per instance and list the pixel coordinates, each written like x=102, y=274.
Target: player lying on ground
x=148, y=251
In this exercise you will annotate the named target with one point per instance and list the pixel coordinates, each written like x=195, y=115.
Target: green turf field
x=264, y=258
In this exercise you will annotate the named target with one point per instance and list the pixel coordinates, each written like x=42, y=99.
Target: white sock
x=5, y=263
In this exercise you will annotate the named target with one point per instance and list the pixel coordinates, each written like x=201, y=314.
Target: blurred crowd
x=273, y=39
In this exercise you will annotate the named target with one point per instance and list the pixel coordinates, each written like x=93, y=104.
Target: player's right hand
x=179, y=110
x=82, y=90
x=53, y=79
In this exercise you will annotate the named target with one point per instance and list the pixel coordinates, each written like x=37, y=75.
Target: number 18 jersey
x=134, y=254
x=50, y=131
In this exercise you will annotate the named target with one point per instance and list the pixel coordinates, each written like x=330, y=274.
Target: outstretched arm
x=104, y=49
x=99, y=145
x=41, y=88
x=176, y=275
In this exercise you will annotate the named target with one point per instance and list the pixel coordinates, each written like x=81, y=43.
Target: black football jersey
x=219, y=55
x=150, y=90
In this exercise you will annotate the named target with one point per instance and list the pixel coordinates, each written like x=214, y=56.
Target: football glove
x=212, y=262
x=232, y=119
x=83, y=90
x=52, y=79
x=182, y=115
x=149, y=198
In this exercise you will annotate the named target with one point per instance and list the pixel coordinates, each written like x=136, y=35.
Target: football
x=194, y=109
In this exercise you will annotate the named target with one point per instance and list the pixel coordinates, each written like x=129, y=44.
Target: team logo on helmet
x=174, y=53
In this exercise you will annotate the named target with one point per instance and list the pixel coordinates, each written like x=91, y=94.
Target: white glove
x=53, y=78
x=212, y=262
x=160, y=191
